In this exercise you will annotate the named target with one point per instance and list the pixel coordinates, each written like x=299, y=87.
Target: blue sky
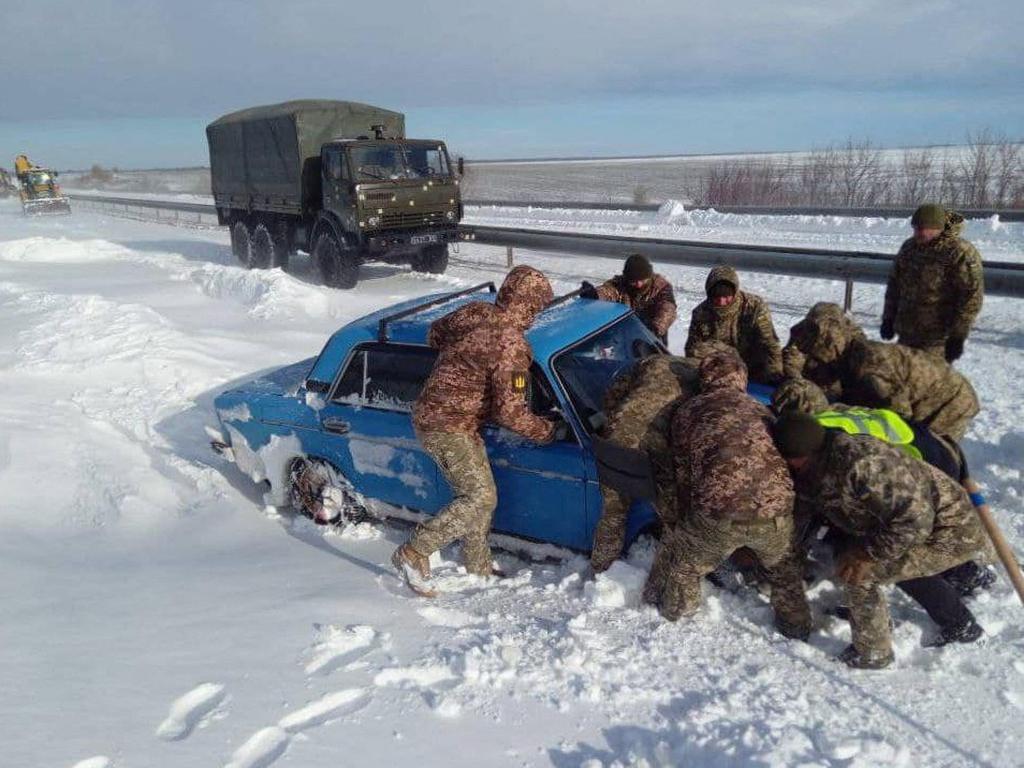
x=133, y=84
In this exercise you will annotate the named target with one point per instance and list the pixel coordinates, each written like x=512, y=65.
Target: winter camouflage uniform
x=733, y=490
x=654, y=304
x=910, y=518
x=639, y=409
x=481, y=372
x=798, y=365
x=935, y=291
x=914, y=384
x=745, y=325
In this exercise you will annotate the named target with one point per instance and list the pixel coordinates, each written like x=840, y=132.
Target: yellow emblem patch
x=519, y=381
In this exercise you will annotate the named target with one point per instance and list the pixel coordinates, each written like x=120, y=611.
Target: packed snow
x=159, y=612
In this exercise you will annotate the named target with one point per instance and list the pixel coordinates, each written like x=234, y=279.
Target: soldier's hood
x=825, y=333
x=954, y=225
x=799, y=395
x=723, y=370
x=525, y=292
x=723, y=274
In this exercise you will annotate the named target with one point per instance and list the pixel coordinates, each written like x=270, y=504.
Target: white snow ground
x=155, y=613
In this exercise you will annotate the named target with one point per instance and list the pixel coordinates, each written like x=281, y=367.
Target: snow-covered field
x=157, y=614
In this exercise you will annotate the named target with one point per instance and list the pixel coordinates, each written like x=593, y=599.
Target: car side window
x=388, y=376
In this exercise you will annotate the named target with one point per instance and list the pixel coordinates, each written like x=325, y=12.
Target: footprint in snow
x=337, y=646
x=268, y=744
x=191, y=710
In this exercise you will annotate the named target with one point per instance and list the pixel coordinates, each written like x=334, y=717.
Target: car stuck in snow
x=334, y=434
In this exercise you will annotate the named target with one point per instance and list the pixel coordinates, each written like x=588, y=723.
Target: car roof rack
x=562, y=299
x=382, y=328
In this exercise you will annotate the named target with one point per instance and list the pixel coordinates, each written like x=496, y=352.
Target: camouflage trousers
x=869, y=610
x=463, y=461
x=699, y=544
x=610, y=534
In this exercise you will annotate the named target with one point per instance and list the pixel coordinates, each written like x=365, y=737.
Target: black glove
x=886, y=331
x=588, y=291
x=954, y=348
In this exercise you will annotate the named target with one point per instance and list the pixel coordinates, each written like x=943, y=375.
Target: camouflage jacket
x=917, y=386
x=726, y=465
x=745, y=325
x=816, y=345
x=655, y=304
x=936, y=290
x=483, y=363
x=887, y=500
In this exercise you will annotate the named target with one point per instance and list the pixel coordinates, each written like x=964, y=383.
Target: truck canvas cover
x=269, y=157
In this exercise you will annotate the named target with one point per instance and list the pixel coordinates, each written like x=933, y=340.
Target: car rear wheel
x=320, y=493
x=337, y=263
x=241, y=243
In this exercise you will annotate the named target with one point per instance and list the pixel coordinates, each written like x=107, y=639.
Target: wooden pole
x=998, y=540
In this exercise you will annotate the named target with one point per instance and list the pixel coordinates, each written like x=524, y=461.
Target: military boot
x=967, y=631
x=414, y=569
x=851, y=657
x=969, y=577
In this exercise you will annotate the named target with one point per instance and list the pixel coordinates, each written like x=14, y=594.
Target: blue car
x=335, y=433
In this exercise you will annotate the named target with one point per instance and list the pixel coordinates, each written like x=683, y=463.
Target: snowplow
x=38, y=188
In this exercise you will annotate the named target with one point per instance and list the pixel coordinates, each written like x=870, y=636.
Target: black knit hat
x=637, y=267
x=798, y=435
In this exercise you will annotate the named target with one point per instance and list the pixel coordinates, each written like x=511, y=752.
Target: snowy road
x=157, y=614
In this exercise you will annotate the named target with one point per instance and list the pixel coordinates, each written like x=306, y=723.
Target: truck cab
x=397, y=199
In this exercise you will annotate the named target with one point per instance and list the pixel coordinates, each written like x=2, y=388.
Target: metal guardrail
x=769, y=210
x=1001, y=278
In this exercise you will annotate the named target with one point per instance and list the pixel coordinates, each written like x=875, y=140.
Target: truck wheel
x=265, y=248
x=241, y=243
x=338, y=265
x=432, y=259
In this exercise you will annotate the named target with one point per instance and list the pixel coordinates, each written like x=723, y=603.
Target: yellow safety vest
x=877, y=422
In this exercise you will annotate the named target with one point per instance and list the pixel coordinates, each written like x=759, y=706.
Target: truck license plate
x=420, y=239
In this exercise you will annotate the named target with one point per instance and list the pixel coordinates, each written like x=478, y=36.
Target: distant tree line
x=987, y=172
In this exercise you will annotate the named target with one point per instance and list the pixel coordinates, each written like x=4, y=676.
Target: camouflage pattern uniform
x=935, y=291
x=912, y=383
x=910, y=518
x=823, y=317
x=745, y=325
x=733, y=490
x=654, y=304
x=482, y=367
x=639, y=409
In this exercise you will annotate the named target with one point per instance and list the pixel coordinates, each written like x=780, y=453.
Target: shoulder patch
x=519, y=379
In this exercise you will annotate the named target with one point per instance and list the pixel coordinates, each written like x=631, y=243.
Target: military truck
x=336, y=179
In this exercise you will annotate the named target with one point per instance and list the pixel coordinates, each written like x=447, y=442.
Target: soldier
x=732, y=491
x=638, y=287
x=797, y=365
x=639, y=409
x=741, y=320
x=914, y=384
x=480, y=375
x=936, y=286
x=902, y=520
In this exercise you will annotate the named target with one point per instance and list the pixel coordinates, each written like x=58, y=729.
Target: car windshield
x=389, y=161
x=40, y=178
x=588, y=368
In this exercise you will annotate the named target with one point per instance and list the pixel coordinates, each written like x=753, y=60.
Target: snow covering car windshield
x=588, y=368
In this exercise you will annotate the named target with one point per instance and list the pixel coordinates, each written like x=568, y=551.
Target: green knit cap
x=929, y=216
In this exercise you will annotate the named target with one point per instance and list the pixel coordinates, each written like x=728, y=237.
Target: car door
x=368, y=425
x=542, y=489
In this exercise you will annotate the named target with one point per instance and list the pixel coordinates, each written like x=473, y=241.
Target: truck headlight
x=450, y=215
x=373, y=221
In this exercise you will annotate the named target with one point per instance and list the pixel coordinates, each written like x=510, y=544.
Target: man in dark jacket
x=740, y=319
x=936, y=286
x=638, y=287
x=732, y=491
x=481, y=375
x=901, y=518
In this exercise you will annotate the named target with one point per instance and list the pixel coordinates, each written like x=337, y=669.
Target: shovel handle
x=998, y=540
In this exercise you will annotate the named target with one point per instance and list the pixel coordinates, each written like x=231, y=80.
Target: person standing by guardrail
x=641, y=289
x=936, y=286
x=740, y=319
